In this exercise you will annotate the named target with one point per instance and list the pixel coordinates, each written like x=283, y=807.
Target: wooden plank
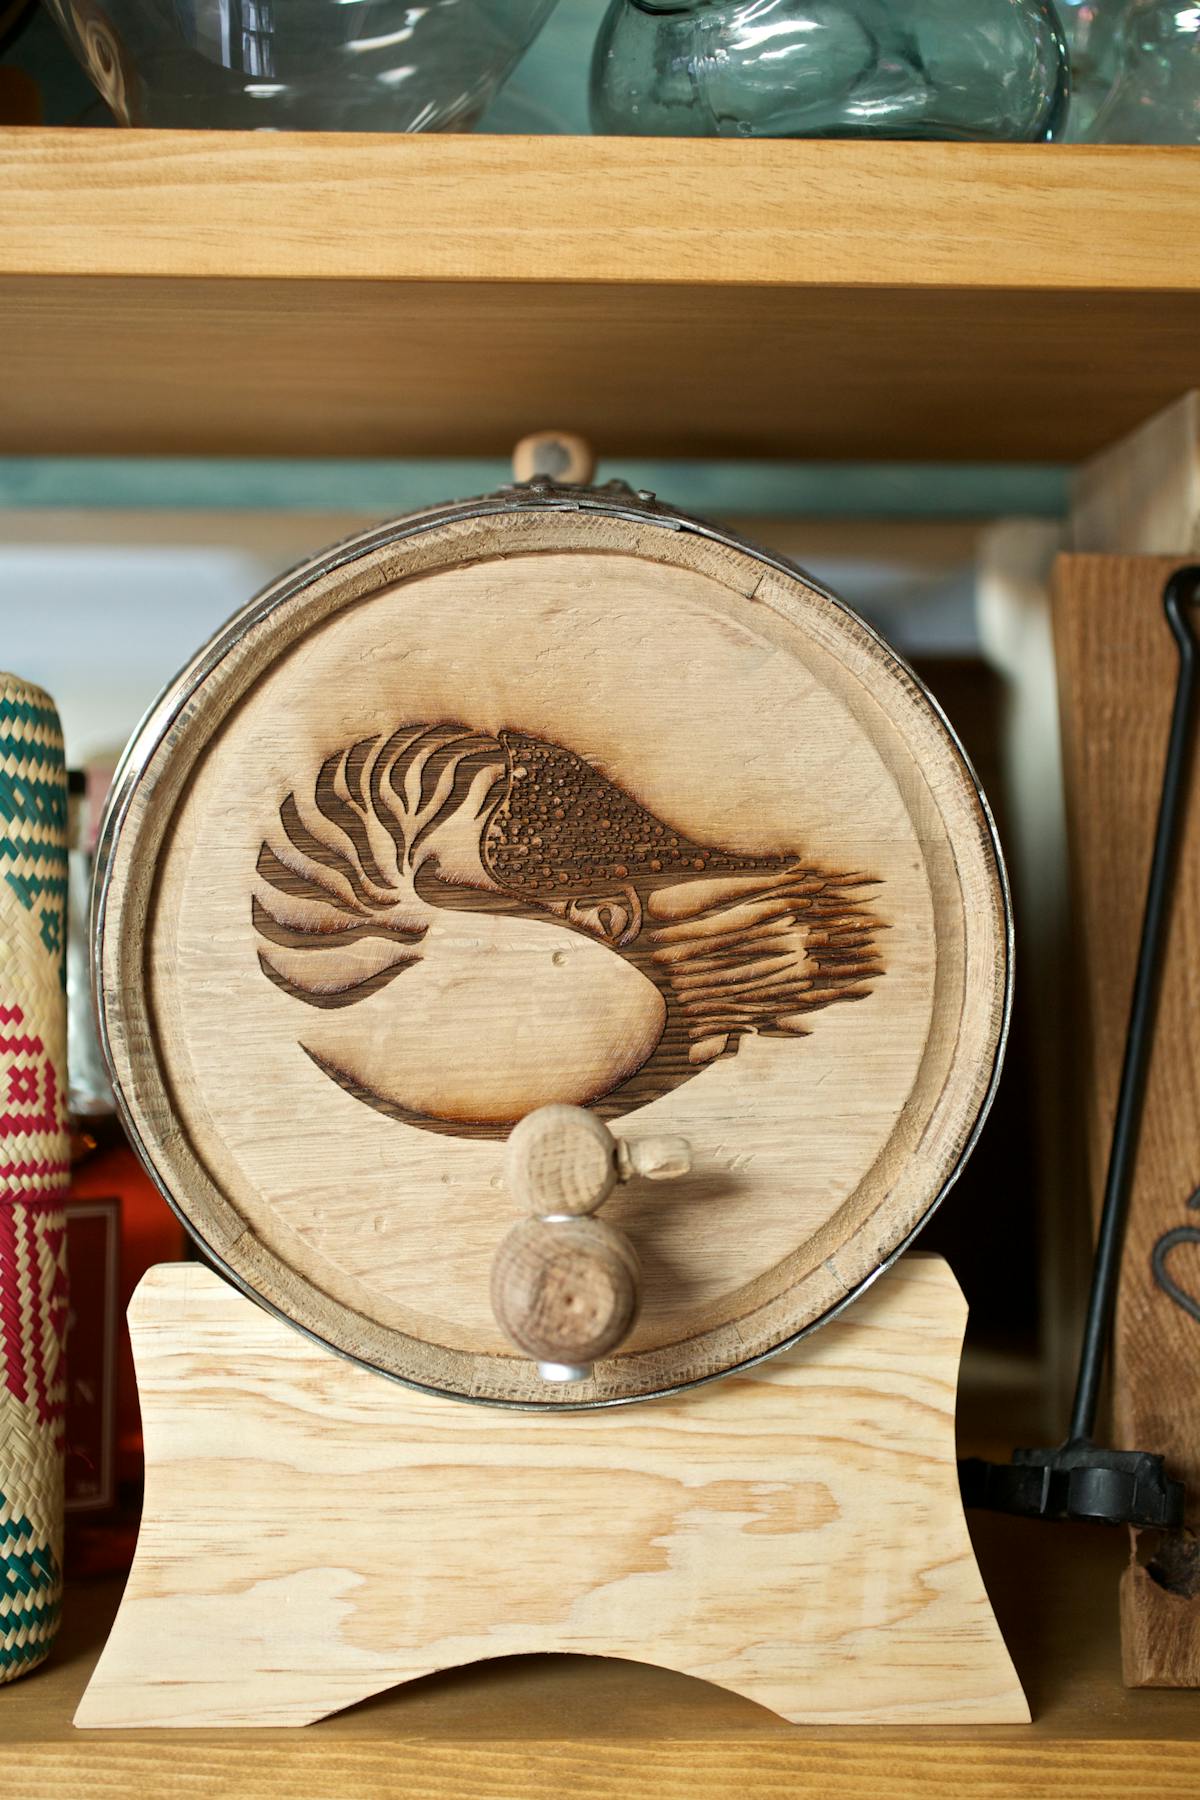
x=1141, y=497
x=303, y=206
x=1117, y=673
x=536, y=1727
x=224, y=365
x=258, y=294
x=794, y=1533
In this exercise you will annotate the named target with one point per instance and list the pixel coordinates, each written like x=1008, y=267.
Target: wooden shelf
x=536, y=1728
x=283, y=294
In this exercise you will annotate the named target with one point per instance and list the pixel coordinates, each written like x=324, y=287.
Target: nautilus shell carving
x=607, y=956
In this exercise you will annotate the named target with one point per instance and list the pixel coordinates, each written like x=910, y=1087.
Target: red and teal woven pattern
x=34, y=1168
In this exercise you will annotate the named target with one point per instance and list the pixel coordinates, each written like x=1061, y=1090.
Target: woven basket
x=34, y=1165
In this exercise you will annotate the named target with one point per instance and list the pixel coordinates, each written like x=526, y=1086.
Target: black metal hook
x=1080, y=1479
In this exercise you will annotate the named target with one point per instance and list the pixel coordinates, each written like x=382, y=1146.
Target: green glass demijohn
x=992, y=69
x=1092, y=32
x=299, y=65
x=1155, y=98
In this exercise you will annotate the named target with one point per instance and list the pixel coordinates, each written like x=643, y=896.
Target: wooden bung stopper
x=559, y=456
x=560, y=1161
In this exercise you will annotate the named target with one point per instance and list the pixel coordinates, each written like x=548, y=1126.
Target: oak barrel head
x=542, y=799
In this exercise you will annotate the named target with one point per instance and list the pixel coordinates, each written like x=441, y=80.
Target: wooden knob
x=565, y=1286
x=560, y=456
x=565, y=1293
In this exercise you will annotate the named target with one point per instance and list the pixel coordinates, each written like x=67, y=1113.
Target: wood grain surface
x=437, y=208
x=314, y=1535
x=311, y=295
x=235, y=366
x=565, y=1292
x=534, y=1727
x=1117, y=674
x=695, y=850
x=1141, y=496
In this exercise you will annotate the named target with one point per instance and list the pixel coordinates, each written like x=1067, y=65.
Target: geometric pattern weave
x=32, y=1581
x=34, y=1170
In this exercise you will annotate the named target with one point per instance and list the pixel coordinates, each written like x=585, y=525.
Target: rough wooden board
x=314, y=1535
x=1141, y=496
x=379, y=1234
x=1117, y=673
x=296, y=294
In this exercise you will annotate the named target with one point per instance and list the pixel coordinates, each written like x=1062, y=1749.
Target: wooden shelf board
x=692, y=212
x=299, y=294
x=539, y=1727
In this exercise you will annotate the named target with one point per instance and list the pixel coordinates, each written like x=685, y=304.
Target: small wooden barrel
x=555, y=796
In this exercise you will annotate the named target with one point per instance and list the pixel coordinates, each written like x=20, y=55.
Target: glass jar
x=831, y=68
x=1156, y=96
x=1092, y=31
x=332, y=65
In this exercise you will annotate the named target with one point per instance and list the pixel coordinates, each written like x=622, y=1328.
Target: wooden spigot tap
x=565, y=1284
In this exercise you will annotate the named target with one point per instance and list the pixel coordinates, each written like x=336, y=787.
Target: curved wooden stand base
x=315, y=1534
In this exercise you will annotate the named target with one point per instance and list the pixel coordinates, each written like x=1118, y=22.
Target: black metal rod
x=1183, y=590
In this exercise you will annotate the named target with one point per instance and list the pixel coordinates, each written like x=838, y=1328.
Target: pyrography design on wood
x=344, y=791
x=434, y=819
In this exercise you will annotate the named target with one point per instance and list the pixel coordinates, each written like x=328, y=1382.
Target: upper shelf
x=227, y=293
